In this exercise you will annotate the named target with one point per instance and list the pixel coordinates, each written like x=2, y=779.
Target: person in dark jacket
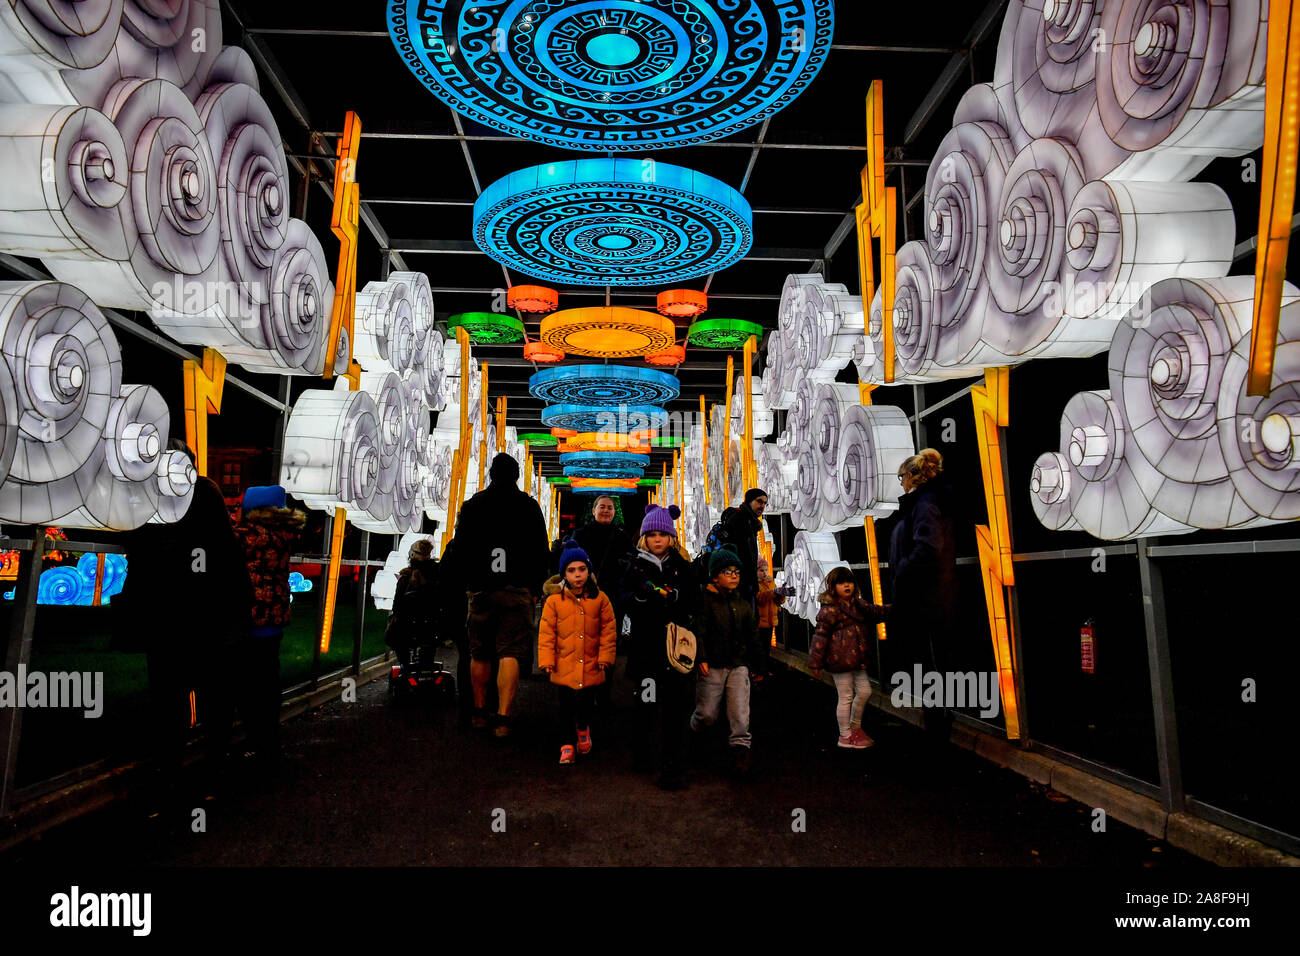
x=267, y=531
x=922, y=558
x=658, y=587
x=842, y=644
x=608, y=545
x=416, y=599
x=503, y=553
x=741, y=528
x=729, y=652
x=186, y=602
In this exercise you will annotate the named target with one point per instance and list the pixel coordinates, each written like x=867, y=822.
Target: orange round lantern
x=564, y=433
x=682, y=303
x=542, y=353
x=610, y=332
x=533, y=298
x=604, y=441
x=604, y=482
x=675, y=355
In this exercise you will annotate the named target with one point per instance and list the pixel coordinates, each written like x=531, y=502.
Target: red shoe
x=860, y=740
x=584, y=740
x=566, y=754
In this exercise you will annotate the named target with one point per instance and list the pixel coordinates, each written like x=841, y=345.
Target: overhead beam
x=952, y=72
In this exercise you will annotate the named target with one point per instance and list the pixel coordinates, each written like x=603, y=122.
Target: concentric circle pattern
x=590, y=418
x=619, y=222
x=603, y=385
x=606, y=461
x=619, y=75
x=723, y=333
x=487, y=327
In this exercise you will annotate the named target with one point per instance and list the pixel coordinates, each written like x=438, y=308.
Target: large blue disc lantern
x=618, y=222
x=596, y=418
x=603, y=385
x=615, y=75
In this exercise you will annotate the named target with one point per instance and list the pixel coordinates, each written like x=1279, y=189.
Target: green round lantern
x=668, y=441
x=539, y=438
x=722, y=333
x=487, y=328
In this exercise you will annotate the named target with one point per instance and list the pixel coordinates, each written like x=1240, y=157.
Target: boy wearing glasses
x=726, y=630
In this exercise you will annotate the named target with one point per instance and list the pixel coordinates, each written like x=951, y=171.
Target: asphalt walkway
x=369, y=783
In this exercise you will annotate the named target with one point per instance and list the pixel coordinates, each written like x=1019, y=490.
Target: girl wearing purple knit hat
x=659, y=587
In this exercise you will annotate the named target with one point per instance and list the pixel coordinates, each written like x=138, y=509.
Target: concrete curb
x=1209, y=841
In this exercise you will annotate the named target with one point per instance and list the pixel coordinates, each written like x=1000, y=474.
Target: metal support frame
x=1162, y=682
x=18, y=653
x=359, y=625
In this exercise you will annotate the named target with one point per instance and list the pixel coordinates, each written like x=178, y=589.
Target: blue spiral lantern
x=614, y=474
x=603, y=385
x=62, y=585
x=615, y=75
x=596, y=418
x=114, y=575
x=597, y=490
x=616, y=222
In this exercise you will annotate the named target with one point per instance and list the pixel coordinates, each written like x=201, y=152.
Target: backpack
x=717, y=538
x=682, y=648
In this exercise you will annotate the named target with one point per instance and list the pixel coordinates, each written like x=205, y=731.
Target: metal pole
x=18, y=654
x=320, y=610
x=359, y=628
x=1162, y=683
x=922, y=434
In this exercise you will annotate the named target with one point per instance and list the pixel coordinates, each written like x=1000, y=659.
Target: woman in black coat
x=659, y=587
x=922, y=558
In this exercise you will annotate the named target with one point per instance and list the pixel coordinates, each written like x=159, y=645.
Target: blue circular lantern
x=606, y=473
x=603, y=385
x=616, y=222
x=595, y=418
x=615, y=75
x=622, y=460
x=61, y=585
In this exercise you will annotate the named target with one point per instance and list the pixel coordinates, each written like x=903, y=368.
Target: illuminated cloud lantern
x=1175, y=444
x=1060, y=194
x=78, y=448
x=669, y=224
x=145, y=168
x=615, y=76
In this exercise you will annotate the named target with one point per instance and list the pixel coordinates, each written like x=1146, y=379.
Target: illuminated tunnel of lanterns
x=147, y=175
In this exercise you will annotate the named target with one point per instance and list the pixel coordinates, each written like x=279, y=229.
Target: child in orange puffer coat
x=576, y=646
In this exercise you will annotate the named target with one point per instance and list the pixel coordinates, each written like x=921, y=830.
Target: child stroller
x=413, y=634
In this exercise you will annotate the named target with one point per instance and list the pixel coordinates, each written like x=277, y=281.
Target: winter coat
x=841, y=641
x=768, y=601
x=193, y=572
x=610, y=550
x=727, y=630
x=922, y=557
x=416, y=605
x=576, y=636
x=741, y=528
x=651, y=611
x=268, y=536
x=501, y=541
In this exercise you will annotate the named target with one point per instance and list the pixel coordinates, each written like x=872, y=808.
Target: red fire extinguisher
x=1088, y=647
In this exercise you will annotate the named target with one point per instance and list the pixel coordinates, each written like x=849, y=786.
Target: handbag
x=682, y=648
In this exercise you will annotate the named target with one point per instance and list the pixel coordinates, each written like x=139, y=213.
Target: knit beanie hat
x=660, y=519
x=753, y=493
x=721, y=559
x=264, y=496
x=573, y=552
